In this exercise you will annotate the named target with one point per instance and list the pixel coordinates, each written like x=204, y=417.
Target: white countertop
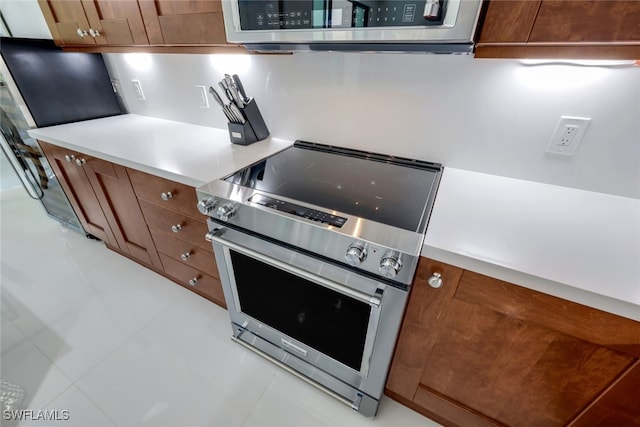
x=574, y=244
x=577, y=245
x=189, y=154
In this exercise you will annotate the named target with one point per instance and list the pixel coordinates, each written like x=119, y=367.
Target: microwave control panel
x=306, y=14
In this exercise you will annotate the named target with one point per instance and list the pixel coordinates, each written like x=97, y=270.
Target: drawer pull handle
x=166, y=196
x=193, y=282
x=176, y=228
x=435, y=281
x=69, y=157
x=185, y=256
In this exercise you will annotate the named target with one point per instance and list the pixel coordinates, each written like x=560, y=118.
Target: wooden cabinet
x=178, y=231
x=105, y=202
x=79, y=192
x=180, y=22
x=577, y=29
x=95, y=23
x=144, y=217
x=479, y=351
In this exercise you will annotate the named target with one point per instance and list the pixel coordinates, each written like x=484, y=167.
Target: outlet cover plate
x=567, y=135
x=137, y=89
x=201, y=96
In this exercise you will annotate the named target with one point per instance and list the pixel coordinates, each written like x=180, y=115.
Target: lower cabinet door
x=186, y=252
x=180, y=226
x=479, y=352
x=194, y=279
x=77, y=187
x=115, y=194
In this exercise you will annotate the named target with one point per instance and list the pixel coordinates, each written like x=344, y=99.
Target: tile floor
x=87, y=331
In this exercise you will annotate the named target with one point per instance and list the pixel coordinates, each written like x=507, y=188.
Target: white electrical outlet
x=567, y=135
x=201, y=96
x=137, y=89
x=115, y=85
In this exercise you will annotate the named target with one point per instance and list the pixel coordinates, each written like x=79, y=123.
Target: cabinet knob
x=81, y=162
x=193, y=281
x=94, y=33
x=176, y=228
x=435, y=281
x=81, y=32
x=69, y=157
x=185, y=256
x=166, y=196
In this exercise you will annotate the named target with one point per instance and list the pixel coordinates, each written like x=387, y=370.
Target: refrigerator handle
x=27, y=179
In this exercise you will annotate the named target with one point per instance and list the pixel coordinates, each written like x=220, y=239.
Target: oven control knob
x=390, y=265
x=356, y=254
x=206, y=206
x=226, y=211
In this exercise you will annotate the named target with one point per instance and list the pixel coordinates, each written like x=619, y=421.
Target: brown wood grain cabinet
x=482, y=352
x=94, y=22
x=178, y=231
x=103, y=198
x=79, y=192
x=576, y=29
x=149, y=219
x=130, y=23
x=181, y=22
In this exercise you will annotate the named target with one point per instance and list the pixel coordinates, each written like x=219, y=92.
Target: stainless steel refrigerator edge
x=39, y=89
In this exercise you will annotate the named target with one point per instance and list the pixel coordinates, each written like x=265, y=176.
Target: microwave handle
x=373, y=300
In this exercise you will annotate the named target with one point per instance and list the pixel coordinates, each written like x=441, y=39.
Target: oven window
x=326, y=320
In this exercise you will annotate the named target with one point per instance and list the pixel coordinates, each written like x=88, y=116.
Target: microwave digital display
x=312, y=14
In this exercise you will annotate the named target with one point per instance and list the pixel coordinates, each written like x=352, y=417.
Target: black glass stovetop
x=389, y=190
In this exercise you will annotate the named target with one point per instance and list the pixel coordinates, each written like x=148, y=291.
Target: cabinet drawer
x=180, y=197
x=190, y=229
x=198, y=258
x=183, y=274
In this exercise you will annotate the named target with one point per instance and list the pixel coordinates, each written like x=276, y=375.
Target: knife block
x=253, y=130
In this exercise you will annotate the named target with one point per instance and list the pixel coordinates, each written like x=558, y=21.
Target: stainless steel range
x=316, y=248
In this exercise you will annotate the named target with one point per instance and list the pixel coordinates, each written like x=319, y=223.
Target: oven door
x=319, y=313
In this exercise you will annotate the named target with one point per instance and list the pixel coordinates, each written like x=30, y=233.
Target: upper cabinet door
x=67, y=22
x=183, y=22
x=117, y=22
x=94, y=22
x=576, y=29
x=587, y=21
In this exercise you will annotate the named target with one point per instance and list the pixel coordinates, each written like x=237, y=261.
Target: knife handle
x=240, y=87
x=225, y=90
x=236, y=97
x=236, y=111
x=216, y=96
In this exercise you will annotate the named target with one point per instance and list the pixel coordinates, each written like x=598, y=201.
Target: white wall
x=493, y=116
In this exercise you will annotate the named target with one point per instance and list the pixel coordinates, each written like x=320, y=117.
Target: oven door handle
x=373, y=300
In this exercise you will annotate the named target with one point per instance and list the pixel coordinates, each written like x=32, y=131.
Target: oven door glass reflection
x=328, y=321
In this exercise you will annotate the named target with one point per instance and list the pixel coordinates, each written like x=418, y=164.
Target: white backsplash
x=493, y=116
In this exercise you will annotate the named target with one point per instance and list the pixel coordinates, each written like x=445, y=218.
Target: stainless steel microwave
x=440, y=26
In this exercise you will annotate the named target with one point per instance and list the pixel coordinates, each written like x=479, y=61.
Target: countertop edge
x=183, y=167
x=560, y=290
x=182, y=179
